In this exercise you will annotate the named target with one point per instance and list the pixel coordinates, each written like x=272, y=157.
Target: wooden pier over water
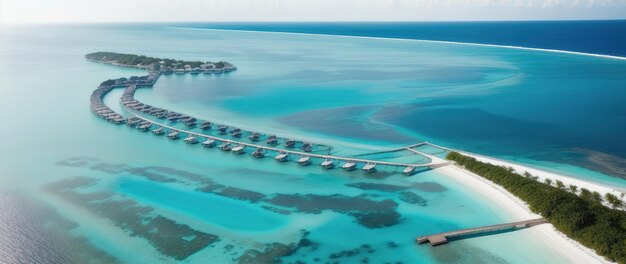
x=442, y=238
x=303, y=150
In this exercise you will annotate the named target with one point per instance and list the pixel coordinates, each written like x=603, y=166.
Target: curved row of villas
x=132, y=105
x=282, y=148
x=259, y=151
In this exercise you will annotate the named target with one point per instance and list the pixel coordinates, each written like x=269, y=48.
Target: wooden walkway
x=442, y=238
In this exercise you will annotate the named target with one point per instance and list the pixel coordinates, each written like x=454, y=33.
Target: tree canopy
x=582, y=218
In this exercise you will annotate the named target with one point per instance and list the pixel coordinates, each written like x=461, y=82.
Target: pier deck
x=442, y=238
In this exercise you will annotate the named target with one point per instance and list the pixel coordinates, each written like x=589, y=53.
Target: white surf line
x=416, y=40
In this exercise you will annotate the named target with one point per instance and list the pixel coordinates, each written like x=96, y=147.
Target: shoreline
x=542, y=175
x=516, y=208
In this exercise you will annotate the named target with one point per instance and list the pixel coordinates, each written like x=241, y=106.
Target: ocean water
x=598, y=37
x=110, y=193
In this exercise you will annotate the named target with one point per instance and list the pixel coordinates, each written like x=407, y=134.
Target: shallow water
x=165, y=200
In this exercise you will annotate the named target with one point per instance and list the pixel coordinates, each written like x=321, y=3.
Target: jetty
x=442, y=238
x=175, y=125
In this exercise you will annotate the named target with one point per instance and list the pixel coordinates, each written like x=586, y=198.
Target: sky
x=89, y=11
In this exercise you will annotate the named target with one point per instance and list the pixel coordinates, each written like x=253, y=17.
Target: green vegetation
x=582, y=218
x=135, y=60
x=613, y=200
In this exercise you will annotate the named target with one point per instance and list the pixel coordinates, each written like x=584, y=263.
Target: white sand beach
x=516, y=208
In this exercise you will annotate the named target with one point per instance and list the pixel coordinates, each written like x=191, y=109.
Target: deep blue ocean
x=607, y=37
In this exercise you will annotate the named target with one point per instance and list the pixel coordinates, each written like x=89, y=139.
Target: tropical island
x=163, y=65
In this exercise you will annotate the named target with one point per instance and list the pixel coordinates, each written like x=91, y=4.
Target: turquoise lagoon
x=114, y=194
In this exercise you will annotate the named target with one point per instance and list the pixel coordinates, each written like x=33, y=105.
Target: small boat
x=209, y=143
x=349, y=166
x=409, y=170
x=173, y=134
x=226, y=146
x=238, y=149
x=369, y=167
x=281, y=157
x=254, y=137
x=158, y=131
x=328, y=164
x=191, y=140
x=290, y=143
x=307, y=147
x=304, y=160
x=258, y=153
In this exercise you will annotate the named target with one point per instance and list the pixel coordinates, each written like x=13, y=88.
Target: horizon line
x=304, y=21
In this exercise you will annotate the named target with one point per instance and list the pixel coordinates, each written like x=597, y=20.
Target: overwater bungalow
x=158, y=131
x=173, y=134
x=304, y=160
x=349, y=166
x=290, y=143
x=254, y=137
x=258, y=153
x=237, y=134
x=272, y=140
x=226, y=146
x=205, y=126
x=238, y=149
x=235, y=130
x=409, y=170
x=369, y=167
x=145, y=127
x=222, y=129
x=188, y=119
x=190, y=124
x=191, y=139
x=307, y=147
x=209, y=143
x=133, y=121
x=328, y=164
x=281, y=157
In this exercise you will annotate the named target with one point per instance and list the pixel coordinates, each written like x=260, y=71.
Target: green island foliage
x=134, y=60
x=582, y=218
